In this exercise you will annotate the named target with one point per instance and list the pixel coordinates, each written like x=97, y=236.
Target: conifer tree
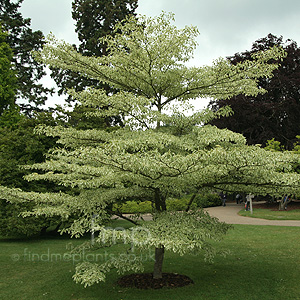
x=7, y=75
x=94, y=19
x=22, y=40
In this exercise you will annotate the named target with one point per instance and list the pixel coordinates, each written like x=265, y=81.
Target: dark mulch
x=274, y=206
x=146, y=281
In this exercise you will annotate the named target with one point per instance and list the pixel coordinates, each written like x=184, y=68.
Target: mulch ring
x=146, y=281
x=274, y=206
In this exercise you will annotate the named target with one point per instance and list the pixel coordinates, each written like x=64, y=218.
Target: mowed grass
x=269, y=214
x=264, y=263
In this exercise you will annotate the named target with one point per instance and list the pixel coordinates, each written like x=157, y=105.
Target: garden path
x=229, y=214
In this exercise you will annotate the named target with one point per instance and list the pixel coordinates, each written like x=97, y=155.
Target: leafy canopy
x=148, y=58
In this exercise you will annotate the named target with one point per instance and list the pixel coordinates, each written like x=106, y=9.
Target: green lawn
x=264, y=264
x=272, y=215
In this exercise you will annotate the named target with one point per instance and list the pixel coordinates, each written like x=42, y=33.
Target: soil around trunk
x=146, y=281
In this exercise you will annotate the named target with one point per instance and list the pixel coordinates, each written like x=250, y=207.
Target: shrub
x=133, y=207
x=179, y=204
x=173, y=204
x=13, y=224
x=208, y=200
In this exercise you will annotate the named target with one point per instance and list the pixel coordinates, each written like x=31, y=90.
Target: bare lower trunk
x=284, y=202
x=159, y=257
x=160, y=206
x=191, y=202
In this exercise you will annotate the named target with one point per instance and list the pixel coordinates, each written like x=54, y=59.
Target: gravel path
x=229, y=214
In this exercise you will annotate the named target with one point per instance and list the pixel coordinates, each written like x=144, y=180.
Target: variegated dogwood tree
x=161, y=151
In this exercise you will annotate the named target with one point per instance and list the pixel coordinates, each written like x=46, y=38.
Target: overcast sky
x=226, y=26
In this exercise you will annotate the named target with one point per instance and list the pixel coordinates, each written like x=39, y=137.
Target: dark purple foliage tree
x=274, y=114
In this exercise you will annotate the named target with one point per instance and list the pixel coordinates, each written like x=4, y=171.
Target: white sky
x=226, y=26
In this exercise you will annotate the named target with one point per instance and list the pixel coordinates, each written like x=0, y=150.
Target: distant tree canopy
x=274, y=114
x=93, y=19
x=96, y=19
x=22, y=41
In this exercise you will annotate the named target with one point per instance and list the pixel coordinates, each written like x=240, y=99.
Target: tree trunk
x=44, y=230
x=160, y=206
x=159, y=257
x=191, y=202
x=284, y=202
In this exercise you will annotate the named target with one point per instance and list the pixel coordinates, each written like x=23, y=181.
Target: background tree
x=274, y=114
x=93, y=19
x=273, y=145
x=146, y=159
x=22, y=41
x=19, y=145
x=7, y=75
